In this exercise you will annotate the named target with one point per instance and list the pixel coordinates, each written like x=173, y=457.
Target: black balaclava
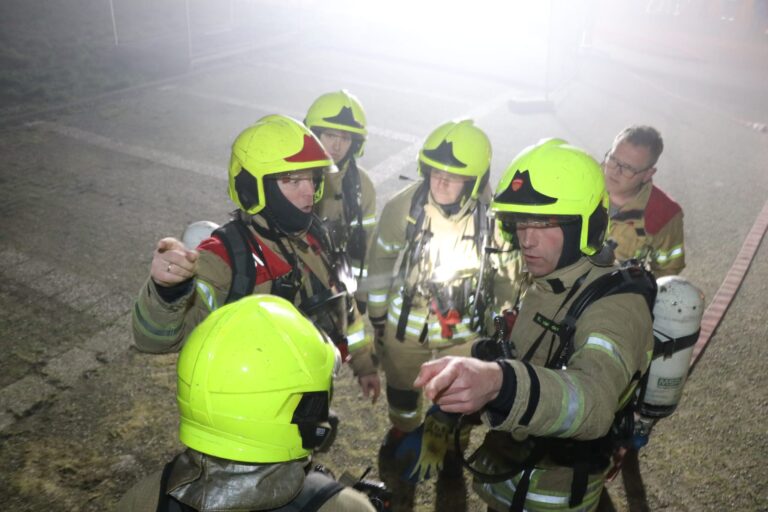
x=571, y=243
x=282, y=212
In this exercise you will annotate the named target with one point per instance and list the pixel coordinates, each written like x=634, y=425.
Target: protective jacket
x=296, y=263
x=414, y=285
x=348, y=206
x=208, y=483
x=650, y=228
x=555, y=409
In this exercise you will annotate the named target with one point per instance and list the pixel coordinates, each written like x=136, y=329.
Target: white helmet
x=197, y=232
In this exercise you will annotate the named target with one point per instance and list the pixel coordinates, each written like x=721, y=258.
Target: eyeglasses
x=624, y=169
x=449, y=176
x=515, y=222
x=297, y=178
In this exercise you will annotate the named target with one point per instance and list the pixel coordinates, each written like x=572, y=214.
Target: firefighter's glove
x=424, y=449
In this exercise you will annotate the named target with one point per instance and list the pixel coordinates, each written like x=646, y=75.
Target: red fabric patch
x=268, y=270
x=314, y=244
x=659, y=210
x=310, y=152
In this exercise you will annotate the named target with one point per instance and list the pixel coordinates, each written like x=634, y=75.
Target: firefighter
x=424, y=269
x=348, y=205
x=254, y=386
x=646, y=224
x=551, y=396
x=274, y=244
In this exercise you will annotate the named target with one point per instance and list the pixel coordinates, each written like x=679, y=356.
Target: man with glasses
x=423, y=272
x=273, y=245
x=646, y=224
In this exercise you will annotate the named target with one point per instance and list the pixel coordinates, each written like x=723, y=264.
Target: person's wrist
x=501, y=404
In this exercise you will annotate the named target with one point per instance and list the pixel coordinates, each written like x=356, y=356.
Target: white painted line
x=227, y=100
x=391, y=134
x=395, y=164
x=235, y=102
x=152, y=155
x=51, y=282
x=365, y=83
x=282, y=39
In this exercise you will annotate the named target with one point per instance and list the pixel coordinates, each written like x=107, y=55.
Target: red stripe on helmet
x=311, y=151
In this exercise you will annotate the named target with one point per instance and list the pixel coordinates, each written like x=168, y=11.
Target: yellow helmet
x=553, y=180
x=342, y=111
x=275, y=144
x=254, y=382
x=458, y=147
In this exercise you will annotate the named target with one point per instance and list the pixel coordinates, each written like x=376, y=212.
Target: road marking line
x=144, y=153
x=372, y=129
x=365, y=83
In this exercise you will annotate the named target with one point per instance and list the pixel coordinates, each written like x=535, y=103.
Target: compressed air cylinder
x=677, y=319
x=197, y=232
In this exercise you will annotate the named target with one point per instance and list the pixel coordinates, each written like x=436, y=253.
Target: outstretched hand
x=460, y=384
x=172, y=263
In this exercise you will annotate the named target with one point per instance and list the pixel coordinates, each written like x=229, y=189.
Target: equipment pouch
x=287, y=285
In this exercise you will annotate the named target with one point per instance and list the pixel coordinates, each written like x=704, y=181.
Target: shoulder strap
x=414, y=224
x=634, y=279
x=351, y=190
x=317, y=489
x=238, y=240
x=319, y=231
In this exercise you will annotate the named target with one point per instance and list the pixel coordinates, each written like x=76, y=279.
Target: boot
x=451, y=489
x=391, y=470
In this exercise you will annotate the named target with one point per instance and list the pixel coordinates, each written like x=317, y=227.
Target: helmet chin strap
x=282, y=212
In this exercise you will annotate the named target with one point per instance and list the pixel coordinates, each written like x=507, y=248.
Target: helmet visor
x=297, y=177
x=510, y=222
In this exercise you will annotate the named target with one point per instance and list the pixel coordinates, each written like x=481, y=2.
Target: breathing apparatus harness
x=240, y=244
x=352, y=201
x=584, y=457
x=443, y=305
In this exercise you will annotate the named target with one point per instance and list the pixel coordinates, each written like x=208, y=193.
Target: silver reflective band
x=377, y=298
x=207, y=294
x=355, y=338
